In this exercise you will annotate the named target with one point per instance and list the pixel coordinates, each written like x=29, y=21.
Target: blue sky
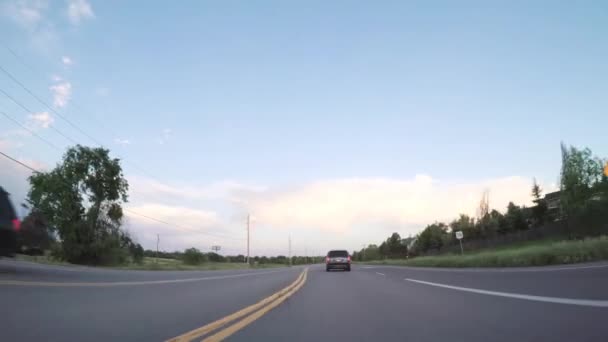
x=328, y=121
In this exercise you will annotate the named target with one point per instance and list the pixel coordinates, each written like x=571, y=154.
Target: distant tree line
x=583, y=211
x=193, y=256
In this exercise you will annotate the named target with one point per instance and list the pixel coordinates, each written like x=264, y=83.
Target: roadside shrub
x=193, y=256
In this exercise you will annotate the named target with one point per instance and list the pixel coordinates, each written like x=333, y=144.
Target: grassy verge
x=41, y=259
x=530, y=254
x=154, y=264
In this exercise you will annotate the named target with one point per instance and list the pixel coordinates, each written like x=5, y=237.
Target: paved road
x=370, y=303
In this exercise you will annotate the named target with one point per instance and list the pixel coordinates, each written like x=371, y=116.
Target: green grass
x=538, y=253
x=154, y=264
x=41, y=259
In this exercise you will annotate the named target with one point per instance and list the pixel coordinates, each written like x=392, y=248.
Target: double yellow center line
x=248, y=315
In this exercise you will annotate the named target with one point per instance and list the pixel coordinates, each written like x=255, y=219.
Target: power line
x=14, y=79
x=179, y=226
x=31, y=93
x=129, y=210
x=49, y=107
x=32, y=112
x=30, y=131
x=18, y=162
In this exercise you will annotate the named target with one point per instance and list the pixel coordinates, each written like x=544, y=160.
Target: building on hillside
x=554, y=206
x=553, y=200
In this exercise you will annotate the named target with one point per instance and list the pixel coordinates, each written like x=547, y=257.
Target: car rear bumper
x=341, y=266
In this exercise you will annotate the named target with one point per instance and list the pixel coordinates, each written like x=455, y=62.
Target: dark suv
x=338, y=259
x=9, y=225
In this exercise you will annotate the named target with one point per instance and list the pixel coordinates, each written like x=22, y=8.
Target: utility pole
x=289, y=249
x=157, y=242
x=248, y=220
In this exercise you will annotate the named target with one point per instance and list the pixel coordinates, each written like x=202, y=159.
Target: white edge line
x=382, y=274
x=557, y=300
x=481, y=269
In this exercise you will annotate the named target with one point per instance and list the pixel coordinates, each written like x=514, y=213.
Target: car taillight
x=16, y=224
x=327, y=260
x=349, y=259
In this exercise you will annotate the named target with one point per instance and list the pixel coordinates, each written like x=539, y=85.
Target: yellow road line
x=221, y=335
x=189, y=336
x=128, y=283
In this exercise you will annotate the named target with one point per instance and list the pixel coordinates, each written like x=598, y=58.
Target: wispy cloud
x=67, y=61
x=39, y=120
x=31, y=15
x=62, y=93
x=26, y=13
x=166, y=134
x=121, y=141
x=79, y=10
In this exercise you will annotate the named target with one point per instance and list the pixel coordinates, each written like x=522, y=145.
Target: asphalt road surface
x=377, y=303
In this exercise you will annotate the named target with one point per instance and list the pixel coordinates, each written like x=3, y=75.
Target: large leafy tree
x=81, y=198
x=581, y=176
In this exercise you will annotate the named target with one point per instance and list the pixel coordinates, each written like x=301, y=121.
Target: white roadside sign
x=459, y=235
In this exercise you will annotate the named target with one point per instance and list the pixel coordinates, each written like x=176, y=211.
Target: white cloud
x=166, y=134
x=346, y=212
x=344, y=204
x=31, y=16
x=56, y=78
x=121, y=141
x=79, y=10
x=39, y=120
x=27, y=13
x=227, y=190
x=62, y=93
x=185, y=219
x=67, y=61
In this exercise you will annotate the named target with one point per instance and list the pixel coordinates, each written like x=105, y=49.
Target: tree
x=215, y=257
x=81, y=198
x=34, y=235
x=581, y=173
x=515, y=218
x=465, y=224
x=193, y=256
x=432, y=237
x=394, y=247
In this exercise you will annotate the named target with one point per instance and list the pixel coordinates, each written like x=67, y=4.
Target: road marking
x=382, y=274
x=254, y=316
x=265, y=304
x=128, y=283
x=481, y=269
x=557, y=300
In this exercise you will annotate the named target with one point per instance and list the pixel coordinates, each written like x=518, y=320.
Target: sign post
x=459, y=236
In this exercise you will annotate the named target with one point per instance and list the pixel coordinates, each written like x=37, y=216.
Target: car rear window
x=337, y=254
x=6, y=208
